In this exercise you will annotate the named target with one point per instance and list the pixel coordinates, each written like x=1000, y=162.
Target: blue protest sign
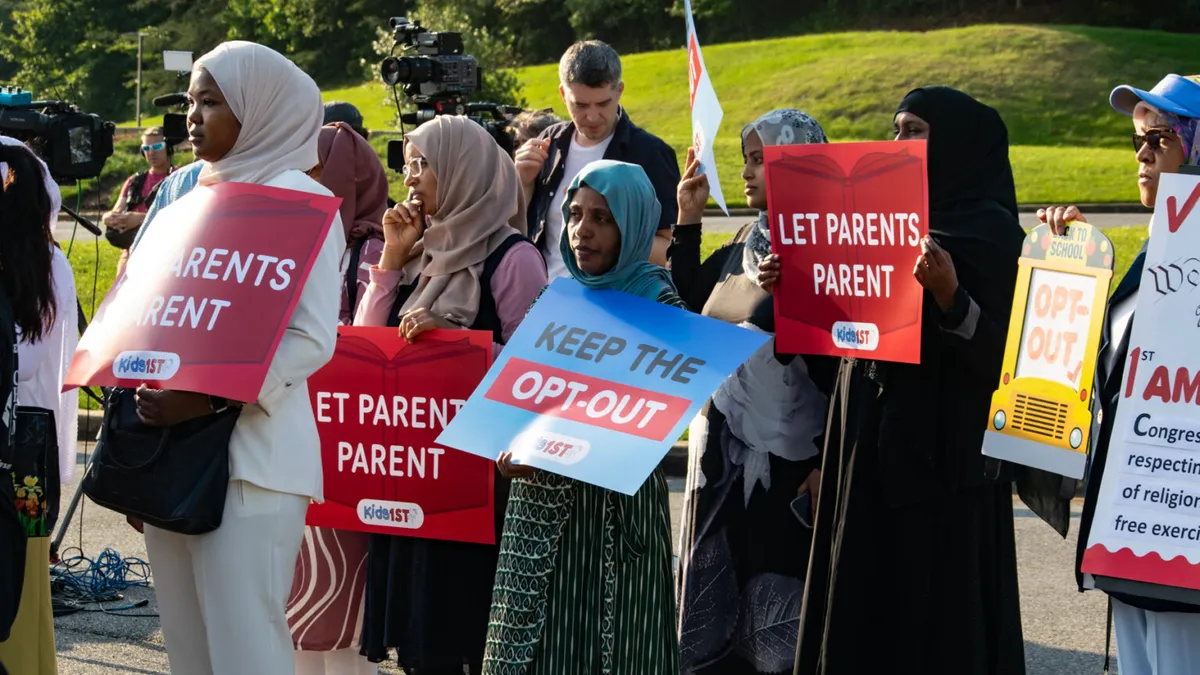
x=597, y=385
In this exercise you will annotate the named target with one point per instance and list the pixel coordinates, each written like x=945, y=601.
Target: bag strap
x=133, y=197
x=110, y=417
x=352, y=273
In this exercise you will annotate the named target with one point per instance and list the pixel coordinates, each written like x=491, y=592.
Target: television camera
x=437, y=79
x=74, y=144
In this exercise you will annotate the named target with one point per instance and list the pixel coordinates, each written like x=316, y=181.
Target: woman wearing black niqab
x=914, y=565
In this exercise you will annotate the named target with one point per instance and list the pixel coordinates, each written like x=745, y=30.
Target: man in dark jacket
x=591, y=88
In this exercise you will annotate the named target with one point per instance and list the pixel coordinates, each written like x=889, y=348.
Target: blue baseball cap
x=1175, y=94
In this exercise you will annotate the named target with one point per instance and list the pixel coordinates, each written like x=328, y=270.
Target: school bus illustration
x=1041, y=414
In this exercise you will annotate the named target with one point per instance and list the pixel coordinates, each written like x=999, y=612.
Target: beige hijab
x=278, y=105
x=479, y=204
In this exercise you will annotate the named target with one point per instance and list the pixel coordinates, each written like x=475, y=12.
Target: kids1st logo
x=551, y=446
x=853, y=335
x=146, y=365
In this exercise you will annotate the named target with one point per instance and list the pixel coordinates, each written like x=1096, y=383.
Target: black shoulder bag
x=172, y=478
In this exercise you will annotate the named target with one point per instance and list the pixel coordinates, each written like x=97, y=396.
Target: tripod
x=65, y=520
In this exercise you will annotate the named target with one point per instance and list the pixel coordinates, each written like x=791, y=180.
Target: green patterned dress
x=584, y=583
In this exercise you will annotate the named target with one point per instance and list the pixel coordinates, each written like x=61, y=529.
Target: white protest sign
x=1147, y=522
x=706, y=111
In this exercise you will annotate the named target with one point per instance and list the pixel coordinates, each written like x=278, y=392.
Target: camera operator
x=591, y=87
x=126, y=216
x=530, y=124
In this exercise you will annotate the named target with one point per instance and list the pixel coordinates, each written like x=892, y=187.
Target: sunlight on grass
x=1051, y=84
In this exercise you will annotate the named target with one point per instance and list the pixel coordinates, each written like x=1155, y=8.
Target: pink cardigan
x=518, y=279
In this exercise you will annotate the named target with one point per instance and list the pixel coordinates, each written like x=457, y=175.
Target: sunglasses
x=1153, y=138
x=154, y=146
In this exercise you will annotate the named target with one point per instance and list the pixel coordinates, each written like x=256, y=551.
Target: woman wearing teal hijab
x=584, y=583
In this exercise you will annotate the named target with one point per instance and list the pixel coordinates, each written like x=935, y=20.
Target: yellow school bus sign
x=1041, y=414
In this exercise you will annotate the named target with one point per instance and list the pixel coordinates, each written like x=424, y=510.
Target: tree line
x=85, y=51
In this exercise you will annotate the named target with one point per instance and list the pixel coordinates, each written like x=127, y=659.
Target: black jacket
x=1108, y=394
x=631, y=144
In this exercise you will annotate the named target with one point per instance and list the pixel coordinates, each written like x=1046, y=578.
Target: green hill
x=1051, y=84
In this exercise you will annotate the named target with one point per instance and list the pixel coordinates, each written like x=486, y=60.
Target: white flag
x=706, y=111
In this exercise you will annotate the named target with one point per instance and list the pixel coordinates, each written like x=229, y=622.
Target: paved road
x=1064, y=630
x=1028, y=220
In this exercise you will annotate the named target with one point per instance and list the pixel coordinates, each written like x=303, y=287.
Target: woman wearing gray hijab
x=753, y=450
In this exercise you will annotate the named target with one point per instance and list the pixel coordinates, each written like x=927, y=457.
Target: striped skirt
x=584, y=583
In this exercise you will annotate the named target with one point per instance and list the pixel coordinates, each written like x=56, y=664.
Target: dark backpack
x=133, y=199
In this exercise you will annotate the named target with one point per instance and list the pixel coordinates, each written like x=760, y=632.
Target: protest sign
x=204, y=300
x=1146, y=526
x=706, y=111
x=1042, y=411
x=847, y=221
x=380, y=405
x=597, y=385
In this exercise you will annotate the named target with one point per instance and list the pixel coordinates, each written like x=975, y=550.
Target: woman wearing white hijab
x=254, y=117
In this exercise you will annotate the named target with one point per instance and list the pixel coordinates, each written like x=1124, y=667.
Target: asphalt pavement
x=1064, y=630
x=66, y=226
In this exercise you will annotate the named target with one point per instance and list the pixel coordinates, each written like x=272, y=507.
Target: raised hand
x=692, y=193
x=403, y=227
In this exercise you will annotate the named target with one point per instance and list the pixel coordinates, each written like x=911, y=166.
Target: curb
x=674, y=465
x=1116, y=207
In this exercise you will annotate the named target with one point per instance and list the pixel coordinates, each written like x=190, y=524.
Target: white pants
x=339, y=662
x=222, y=595
x=1156, y=643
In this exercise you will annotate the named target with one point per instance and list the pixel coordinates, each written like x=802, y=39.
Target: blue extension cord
x=77, y=581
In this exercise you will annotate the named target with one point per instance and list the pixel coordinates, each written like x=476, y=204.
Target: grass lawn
x=1051, y=84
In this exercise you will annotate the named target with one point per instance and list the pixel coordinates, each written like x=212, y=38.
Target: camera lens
x=406, y=70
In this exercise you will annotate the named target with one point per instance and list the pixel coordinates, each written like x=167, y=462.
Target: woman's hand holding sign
x=935, y=271
x=692, y=193
x=162, y=408
x=768, y=273
x=403, y=227
x=510, y=470
x=417, y=321
x=1057, y=217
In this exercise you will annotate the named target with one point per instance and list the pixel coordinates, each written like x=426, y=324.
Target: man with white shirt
x=1154, y=636
x=591, y=87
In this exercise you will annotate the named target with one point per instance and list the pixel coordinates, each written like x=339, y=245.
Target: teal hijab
x=630, y=197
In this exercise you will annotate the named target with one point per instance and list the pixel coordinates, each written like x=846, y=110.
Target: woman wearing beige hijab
x=451, y=259
x=254, y=118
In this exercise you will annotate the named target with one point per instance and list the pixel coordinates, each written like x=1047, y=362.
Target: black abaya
x=914, y=562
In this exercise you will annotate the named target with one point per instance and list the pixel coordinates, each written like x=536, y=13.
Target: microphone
x=167, y=100
x=87, y=224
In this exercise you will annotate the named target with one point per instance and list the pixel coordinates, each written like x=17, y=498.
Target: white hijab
x=278, y=105
x=63, y=338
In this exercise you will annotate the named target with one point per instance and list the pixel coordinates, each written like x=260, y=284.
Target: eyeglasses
x=414, y=167
x=154, y=146
x=1153, y=138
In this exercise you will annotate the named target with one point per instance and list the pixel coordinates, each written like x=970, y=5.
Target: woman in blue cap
x=584, y=582
x=1154, y=636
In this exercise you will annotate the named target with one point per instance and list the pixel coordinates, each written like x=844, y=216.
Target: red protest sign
x=380, y=405
x=204, y=301
x=846, y=221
